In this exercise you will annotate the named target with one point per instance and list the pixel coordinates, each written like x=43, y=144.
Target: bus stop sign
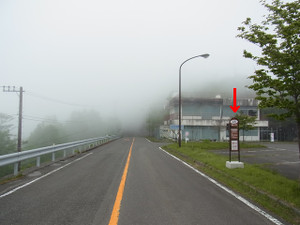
x=234, y=137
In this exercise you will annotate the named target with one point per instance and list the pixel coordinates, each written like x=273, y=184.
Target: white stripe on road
x=47, y=174
x=283, y=163
x=277, y=149
x=271, y=150
x=260, y=211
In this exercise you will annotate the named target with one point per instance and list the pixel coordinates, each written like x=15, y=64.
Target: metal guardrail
x=82, y=145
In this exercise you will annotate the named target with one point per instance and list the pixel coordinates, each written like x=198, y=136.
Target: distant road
x=158, y=190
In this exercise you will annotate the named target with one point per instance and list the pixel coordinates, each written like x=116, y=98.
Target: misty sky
x=118, y=57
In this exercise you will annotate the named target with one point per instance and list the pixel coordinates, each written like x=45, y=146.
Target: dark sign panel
x=234, y=133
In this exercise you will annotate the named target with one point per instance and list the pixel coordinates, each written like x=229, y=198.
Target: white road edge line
x=148, y=140
x=41, y=177
x=254, y=207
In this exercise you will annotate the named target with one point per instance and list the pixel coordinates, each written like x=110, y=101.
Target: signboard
x=234, y=146
x=234, y=122
x=234, y=133
x=234, y=136
x=176, y=127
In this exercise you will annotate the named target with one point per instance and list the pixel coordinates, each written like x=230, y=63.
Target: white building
x=206, y=118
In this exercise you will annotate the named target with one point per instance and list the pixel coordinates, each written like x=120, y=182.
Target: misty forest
x=80, y=125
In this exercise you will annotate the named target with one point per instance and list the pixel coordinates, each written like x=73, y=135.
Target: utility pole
x=20, y=91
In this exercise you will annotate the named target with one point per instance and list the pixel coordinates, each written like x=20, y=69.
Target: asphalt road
x=159, y=190
x=279, y=156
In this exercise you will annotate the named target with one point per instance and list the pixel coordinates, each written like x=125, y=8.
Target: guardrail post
x=53, y=156
x=38, y=161
x=65, y=153
x=16, y=165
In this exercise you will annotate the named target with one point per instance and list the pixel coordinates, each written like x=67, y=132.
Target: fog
x=118, y=57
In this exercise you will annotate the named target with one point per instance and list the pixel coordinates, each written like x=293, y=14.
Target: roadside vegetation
x=161, y=140
x=267, y=188
x=80, y=125
x=276, y=81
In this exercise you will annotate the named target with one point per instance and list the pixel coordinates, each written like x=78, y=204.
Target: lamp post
x=179, y=130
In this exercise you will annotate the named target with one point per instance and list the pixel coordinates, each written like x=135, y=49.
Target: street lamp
x=179, y=130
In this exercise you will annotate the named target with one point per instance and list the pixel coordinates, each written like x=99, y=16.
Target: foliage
x=277, y=82
x=81, y=125
x=113, y=126
x=46, y=134
x=7, y=144
x=85, y=124
x=245, y=122
x=155, y=118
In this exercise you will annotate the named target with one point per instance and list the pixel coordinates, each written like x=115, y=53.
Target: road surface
x=158, y=190
x=279, y=156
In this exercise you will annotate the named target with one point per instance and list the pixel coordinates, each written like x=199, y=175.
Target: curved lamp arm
x=179, y=107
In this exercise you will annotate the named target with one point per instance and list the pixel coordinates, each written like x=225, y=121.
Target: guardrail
x=82, y=145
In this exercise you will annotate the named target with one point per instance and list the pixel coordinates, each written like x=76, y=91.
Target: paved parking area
x=282, y=157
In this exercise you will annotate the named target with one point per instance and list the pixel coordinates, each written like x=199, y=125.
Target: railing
x=81, y=146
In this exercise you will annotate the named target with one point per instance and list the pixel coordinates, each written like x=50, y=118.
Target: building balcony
x=214, y=122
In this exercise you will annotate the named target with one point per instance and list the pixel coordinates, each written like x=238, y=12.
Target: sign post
x=272, y=137
x=234, y=144
x=186, y=136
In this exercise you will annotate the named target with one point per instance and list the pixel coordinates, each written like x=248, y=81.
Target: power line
x=41, y=119
x=30, y=93
x=35, y=118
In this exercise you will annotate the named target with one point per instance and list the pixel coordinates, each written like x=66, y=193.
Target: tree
x=245, y=122
x=85, y=124
x=277, y=81
x=7, y=144
x=155, y=119
x=46, y=134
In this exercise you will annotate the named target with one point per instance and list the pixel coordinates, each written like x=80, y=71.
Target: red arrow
x=234, y=108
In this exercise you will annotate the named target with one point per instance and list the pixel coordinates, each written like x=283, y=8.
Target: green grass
x=267, y=188
x=164, y=140
x=11, y=179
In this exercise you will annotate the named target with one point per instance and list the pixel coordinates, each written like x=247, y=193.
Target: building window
x=252, y=113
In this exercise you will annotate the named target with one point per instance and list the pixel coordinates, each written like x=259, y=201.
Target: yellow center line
x=116, y=210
